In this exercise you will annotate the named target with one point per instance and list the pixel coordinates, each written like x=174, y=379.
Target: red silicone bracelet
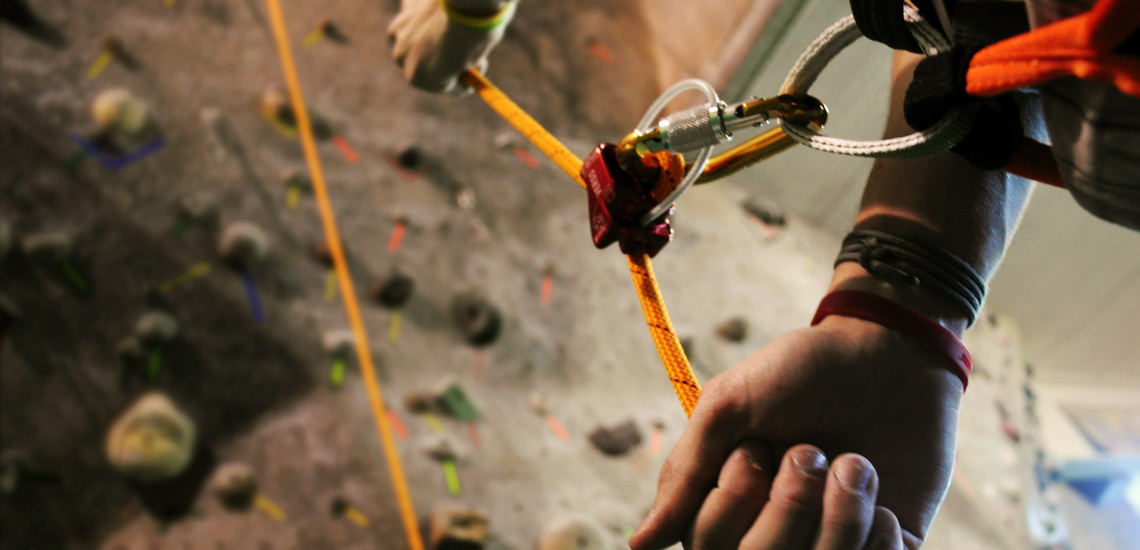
x=877, y=309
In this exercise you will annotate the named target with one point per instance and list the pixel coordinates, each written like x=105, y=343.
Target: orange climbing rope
x=348, y=292
x=527, y=126
x=661, y=329
x=640, y=268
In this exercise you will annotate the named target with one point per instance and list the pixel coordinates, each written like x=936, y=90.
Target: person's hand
x=433, y=51
x=846, y=386
x=753, y=507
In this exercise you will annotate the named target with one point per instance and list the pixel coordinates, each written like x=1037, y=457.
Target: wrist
x=852, y=276
x=895, y=359
x=902, y=320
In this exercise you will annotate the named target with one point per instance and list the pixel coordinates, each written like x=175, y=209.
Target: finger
x=885, y=532
x=791, y=516
x=731, y=508
x=848, y=504
x=691, y=470
x=399, y=51
x=398, y=23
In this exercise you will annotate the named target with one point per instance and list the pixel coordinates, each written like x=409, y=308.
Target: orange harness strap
x=1081, y=46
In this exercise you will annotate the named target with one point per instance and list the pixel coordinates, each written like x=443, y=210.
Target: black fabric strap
x=882, y=21
x=905, y=262
x=939, y=85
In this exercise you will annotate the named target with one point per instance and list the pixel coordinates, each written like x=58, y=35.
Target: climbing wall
x=134, y=232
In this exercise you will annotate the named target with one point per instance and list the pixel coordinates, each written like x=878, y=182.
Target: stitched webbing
x=936, y=139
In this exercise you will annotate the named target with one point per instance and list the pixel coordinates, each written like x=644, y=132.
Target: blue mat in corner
x=1099, y=492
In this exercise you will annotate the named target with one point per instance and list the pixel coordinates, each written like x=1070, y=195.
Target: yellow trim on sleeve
x=487, y=24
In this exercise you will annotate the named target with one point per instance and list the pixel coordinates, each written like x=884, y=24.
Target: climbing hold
x=411, y=158
x=15, y=472
x=22, y=18
x=443, y=447
x=118, y=111
x=616, y=440
x=129, y=351
x=331, y=31
x=419, y=402
x=393, y=291
x=766, y=210
x=338, y=506
x=506, y=140
x=296, y=183
x=9, y=313
x=48, y=246
x=733, y=330
x=338, y=343
x=152, y=440
x=477, y=319
x=465, y=199
x=575, y=532
x=156, y=327
x=275, y=106
x=454, y=401
x=455, y=529
x=119, y=52
x=322, y=254
x=5, y=239
x=9, y=477
x=235, y=486
x=538, y=402
x=243, y=245
x=200, y=208
x=297, y=178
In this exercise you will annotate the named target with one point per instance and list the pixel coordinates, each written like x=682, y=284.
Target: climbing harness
x=995, y=52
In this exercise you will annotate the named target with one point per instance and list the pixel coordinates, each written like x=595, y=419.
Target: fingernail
x=758, y=454
x=810, y=461
x=855, y=475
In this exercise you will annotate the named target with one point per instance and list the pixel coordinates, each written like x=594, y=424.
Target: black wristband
x=901, y=261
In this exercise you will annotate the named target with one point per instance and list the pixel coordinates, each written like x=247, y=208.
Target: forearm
x=433, y=43
x=942, y=200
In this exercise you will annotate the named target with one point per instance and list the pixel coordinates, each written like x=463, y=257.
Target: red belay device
x=618, y=201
